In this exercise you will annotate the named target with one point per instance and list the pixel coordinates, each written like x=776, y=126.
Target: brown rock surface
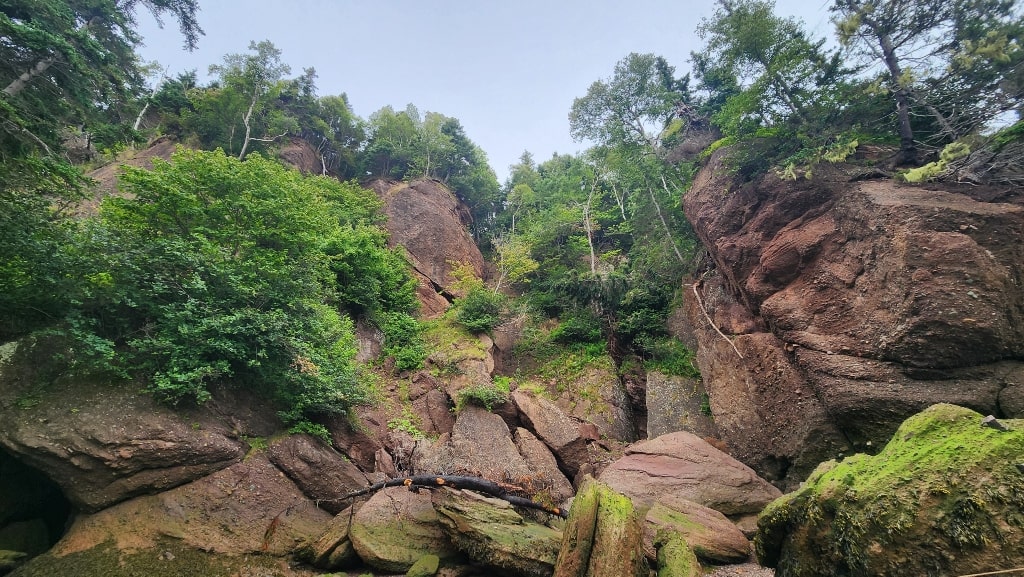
x=248, y=508
x=322, y=473
x=426, y=218
x=712, y=536
x=545, y=475
x=105, y=442
x=560, y=433
x=853, y=305
x=683, y=465
x=396, y=527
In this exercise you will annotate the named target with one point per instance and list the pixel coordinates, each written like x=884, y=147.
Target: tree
x=766, y=69
x=632, y=107
x=255, y=76
x=926, y=45
x=215, y=270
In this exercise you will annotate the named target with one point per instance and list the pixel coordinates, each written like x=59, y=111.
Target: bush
x=216, y=270
x=403, y=340
x=480, y=310
x=487, y=396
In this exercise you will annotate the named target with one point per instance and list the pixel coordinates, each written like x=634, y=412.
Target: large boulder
x=480, y=445
x=683, y=465
x=559, y=432
x=840, y=305
x=710, y=534
x=603, y=536
x=490, y=532
x=105, y=442
x=322, y=473
x=546, y=477
x=944, y=497
x=396, y=527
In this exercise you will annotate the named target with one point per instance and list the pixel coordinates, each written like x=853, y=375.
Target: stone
x=396, y=527
x=105, y=442
x=425, y=566
x=677, y=403
x=684, y=465
x=675, y=558
x=852, y=305
x=708, y=533
x=560, y=433
x=578, y=535
x=993, y=423
x=943, y=497
x=332, y=549
x=492, y=533
x=322, y=473
x=545, y=476
x=249, y=508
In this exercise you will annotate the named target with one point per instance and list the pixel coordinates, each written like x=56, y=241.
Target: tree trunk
x=664, y=223
x=22, y=81
x=248, y=129
x=908, y=150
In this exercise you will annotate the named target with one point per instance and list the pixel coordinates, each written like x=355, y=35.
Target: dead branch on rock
x=478, y=484
x=700, y=303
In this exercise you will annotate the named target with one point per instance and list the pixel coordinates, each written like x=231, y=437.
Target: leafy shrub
x=578, y=328
x=669, y=356
x=217, y=270
x=486, y=395
x=480, y=310
x=403, y=340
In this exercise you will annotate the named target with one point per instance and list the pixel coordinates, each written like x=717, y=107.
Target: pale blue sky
x=509, y=71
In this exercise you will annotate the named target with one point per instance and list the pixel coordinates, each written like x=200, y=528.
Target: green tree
x=214, y=270
x=257, y=79
x=947, y=60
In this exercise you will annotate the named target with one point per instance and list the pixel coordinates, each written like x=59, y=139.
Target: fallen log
x=478, y=484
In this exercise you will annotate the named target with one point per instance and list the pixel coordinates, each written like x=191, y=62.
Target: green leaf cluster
x=213, y=270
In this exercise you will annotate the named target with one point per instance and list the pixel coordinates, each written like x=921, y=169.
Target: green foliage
x=215, y=270
x=480, y=310
x=581, y=327
x=952, y=151
x=668, y=355
x=486, y=395
x=403, y=340
x=407, y=423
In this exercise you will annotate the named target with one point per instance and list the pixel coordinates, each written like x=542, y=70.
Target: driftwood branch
x=478, y=484
x=711, y=322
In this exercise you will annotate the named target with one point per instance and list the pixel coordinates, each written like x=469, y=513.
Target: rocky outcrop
x=426, y=218
x=560, y=433
x=603, y=536
x=846, y=305
x=677, y=403
x=106, y=442
x=683, y=465
x=944, y=497
x=322, y=473
x=710, y=534
x=490, y=532
x=396, y=527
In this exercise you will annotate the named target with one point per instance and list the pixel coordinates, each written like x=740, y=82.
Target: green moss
x=168, y=559
x=943, y=480
x=675, y=557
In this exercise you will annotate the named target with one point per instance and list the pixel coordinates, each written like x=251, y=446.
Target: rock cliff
x=834, y=308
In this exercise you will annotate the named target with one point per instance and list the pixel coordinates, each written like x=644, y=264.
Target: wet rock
x=681, y=464
x=942, y=498
x=332, y=549
x=426, y=566
x=490, y=532
x=675, y=558
x=603, y=536
x=396, y=527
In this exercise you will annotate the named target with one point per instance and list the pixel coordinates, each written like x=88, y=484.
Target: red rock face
x=853, y=304
x=426, y=219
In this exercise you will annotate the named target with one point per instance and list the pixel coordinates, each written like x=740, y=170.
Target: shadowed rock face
x=851, y=305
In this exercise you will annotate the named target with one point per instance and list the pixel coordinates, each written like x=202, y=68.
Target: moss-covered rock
x=675, y=557
x=616, y=539
x=426, y=566
x=396, y=527
x=490, y=532
x=944, y=497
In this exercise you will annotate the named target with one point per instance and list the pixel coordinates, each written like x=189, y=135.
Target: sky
x=509, y=71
